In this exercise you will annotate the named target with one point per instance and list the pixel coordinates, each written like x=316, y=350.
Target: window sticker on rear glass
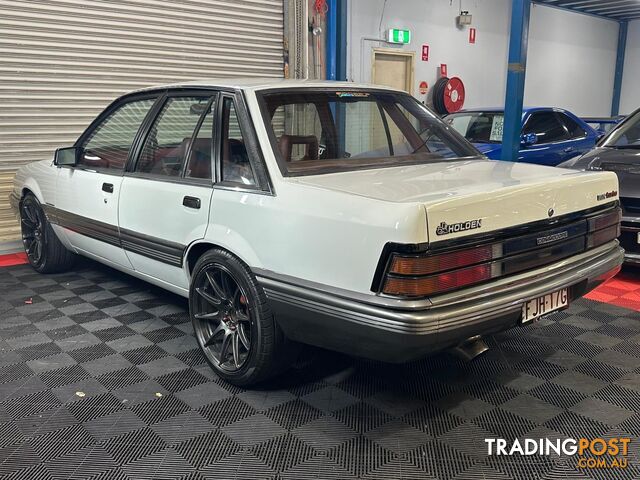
x=496, y=129
x=352, y=94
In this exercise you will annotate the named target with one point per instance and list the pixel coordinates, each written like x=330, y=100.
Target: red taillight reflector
x=416, y=287
x=439, y=263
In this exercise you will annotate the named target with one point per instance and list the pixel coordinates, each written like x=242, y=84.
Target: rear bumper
x=402, y=330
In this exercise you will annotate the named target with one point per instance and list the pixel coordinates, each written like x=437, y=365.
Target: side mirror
x=528, y=139
x=66, y=156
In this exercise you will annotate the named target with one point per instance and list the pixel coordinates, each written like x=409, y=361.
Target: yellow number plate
x=544, y=305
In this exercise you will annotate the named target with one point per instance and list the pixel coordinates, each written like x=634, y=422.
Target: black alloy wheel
x=222, y=319
x=45, y=252
x=32, y=223
x=233, y=323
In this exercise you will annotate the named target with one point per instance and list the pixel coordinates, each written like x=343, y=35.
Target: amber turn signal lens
x=419, y=287
x=438, y=263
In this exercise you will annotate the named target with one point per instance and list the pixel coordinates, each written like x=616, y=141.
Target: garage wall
x=63, y=61
x=571, y=61
x=571, y=57
x=630, y=95
x=433, y=22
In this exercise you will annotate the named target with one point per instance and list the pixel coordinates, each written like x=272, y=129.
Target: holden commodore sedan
x=343, y=216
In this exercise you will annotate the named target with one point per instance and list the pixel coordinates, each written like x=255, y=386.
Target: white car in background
x=339, y=215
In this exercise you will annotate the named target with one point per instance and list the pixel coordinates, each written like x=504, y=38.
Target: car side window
x=574, y=129
x=235, y=163
x=546, y=126
x=199, y=162
x=107, y=146
x=170, y=136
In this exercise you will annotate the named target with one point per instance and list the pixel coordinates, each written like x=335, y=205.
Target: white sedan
x=340, y=215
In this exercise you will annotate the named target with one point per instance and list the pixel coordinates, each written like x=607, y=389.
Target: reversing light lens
x=416, y=287
x=603, y=236
x=448, y=261
x=603, y=221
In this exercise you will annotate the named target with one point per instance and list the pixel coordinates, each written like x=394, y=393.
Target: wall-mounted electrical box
x=464, y=19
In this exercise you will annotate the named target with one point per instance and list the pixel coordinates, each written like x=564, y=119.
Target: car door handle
x=191, y=202
x=107, y=187
x=568, y=149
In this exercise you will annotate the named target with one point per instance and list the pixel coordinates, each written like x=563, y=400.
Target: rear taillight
x=447, y=261
x=604, y=228
x=424, y=286
x=431, y=273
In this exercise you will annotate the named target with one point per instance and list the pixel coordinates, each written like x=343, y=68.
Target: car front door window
x=107, y=146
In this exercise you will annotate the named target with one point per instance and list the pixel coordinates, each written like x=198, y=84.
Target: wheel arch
x=31, y=186
x=198, y=248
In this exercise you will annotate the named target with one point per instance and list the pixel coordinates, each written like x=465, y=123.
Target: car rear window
x=323, y=131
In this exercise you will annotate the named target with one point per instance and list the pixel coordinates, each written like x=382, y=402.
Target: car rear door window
x=573, y=128
x=200, y=153
x=169, y=139
x=107, y=146
x=546, y=126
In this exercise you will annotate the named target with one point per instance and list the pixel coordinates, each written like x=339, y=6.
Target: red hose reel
x=448, y=95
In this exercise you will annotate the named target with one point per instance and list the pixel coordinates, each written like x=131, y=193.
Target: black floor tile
x=100, y=377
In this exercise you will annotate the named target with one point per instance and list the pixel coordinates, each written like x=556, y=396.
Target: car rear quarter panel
x=323, y=236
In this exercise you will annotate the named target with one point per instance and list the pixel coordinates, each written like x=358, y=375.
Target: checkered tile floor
x=623, y=290
x=100, y=377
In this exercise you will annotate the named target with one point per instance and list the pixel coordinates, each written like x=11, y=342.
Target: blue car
x=549, y=135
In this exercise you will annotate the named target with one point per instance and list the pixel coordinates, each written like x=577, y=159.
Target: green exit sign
x=395, y=35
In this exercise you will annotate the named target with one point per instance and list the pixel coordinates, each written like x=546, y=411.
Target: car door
x=579, y=140
x=86, y=200
x=550, y=133
x=166, y=193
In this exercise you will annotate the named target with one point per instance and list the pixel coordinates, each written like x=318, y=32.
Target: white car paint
x=329, y=229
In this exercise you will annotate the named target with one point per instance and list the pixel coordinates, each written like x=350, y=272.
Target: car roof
x=262, y=84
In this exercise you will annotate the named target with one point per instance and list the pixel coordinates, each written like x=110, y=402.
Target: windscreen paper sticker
x=496, y=128
x=352, y=94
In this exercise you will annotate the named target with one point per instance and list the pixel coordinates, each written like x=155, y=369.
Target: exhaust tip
x=470, y=349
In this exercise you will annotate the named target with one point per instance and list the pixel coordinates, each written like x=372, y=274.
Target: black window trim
x=113, y=106
x=143, y=134
x=264, y=185
x=249, y=137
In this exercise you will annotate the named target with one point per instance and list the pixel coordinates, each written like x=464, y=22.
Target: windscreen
x=627, y=135
x=478, y=127
x=320, y=131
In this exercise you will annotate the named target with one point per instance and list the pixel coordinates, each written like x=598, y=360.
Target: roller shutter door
x=63, y=61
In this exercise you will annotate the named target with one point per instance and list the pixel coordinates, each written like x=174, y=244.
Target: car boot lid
x=478, y=196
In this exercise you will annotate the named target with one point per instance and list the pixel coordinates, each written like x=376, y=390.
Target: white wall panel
x=571, y=61
x=630, y=97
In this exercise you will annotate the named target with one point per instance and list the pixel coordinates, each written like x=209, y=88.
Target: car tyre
x=233, y=323
x=45, y=252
